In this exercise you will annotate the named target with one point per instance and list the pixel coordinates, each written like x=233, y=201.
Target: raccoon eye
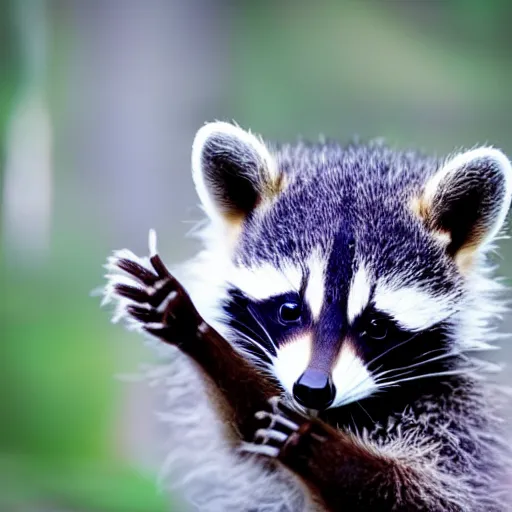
x=376, y=328
x=290, y=312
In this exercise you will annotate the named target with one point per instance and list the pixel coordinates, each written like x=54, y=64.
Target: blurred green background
x=99, y=103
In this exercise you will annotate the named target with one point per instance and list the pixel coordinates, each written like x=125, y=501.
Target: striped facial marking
x=359, y=293
x=315, y=290
x=292, y=359
x=334, y=337
x=413, y=308
x=266, y=280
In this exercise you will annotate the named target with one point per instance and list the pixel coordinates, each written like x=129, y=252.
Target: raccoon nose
x=314, y=390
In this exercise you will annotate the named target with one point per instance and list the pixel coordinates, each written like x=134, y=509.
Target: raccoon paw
x=286, y=429
x=150, y=297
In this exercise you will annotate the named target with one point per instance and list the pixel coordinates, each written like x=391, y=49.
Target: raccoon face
x=349, y=267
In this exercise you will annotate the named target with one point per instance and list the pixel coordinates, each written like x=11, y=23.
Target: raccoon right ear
x=467, y=200
x=233, y=172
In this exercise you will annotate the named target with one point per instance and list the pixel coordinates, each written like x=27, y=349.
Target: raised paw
x=281, y=431
x=149, y=297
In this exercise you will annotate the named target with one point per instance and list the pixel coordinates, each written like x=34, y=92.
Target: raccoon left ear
x=467, y=201
x=233, y=171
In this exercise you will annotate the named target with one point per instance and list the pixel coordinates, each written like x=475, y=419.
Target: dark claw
x=142, y=297
x=145, y=315
x=129, y=292
x=160, y=267
x=138, y=271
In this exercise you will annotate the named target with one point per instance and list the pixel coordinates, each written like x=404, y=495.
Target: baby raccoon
x=322, y=358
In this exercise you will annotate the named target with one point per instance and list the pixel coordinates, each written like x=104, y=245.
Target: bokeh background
x=99, y=103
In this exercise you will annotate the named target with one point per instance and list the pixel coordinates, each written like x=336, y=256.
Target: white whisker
x=429, y=353
x=378, y=380
x=262, y=327
x=251, y=341
x=352, y=393
x=365, y=411
x=385, y=384
x=256, y=336
x=416, y=365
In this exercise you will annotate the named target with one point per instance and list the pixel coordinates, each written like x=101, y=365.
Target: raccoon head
x=351, y=270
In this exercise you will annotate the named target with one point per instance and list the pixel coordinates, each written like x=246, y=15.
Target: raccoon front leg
x=159, y=304
x=345, y=472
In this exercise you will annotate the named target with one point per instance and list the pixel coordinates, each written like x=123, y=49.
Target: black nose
x=314, y=390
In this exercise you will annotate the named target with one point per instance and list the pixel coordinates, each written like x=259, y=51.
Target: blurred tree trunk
x=143, y=77
x=27, y=184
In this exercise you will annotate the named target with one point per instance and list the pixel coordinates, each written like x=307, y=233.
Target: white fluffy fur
x=115, y=276
x=475, y=324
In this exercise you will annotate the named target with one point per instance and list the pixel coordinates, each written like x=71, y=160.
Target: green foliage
x=59, y=398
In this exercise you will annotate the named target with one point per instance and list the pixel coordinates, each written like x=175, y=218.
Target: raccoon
x=319, y=354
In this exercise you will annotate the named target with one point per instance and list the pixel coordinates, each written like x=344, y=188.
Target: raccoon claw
x=150, y=297
x=286, y=428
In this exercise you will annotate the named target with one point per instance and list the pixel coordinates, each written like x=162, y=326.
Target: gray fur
x=455, y=441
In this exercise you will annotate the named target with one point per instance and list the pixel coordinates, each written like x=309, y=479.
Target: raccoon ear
x=233, y=171
x=467, y=201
